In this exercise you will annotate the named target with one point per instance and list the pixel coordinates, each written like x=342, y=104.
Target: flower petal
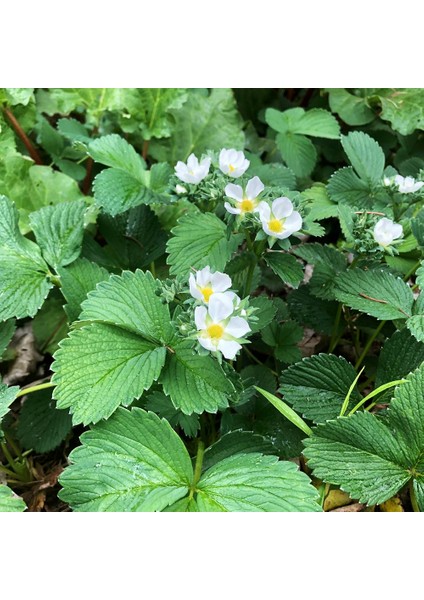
x=203, y=276
x=232, y=209
x=254, y=188
x=237, y=327
x=264, y=211
x=293, y=222
x=220, y=307
x=194, y=291
x=282, y=208
x=192, y=162
x=206, y=342
x=220, y=282
x=200, y=313
x=228, y=348
x=234, y=191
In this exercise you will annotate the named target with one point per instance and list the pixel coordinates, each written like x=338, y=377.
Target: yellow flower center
x=275, y=226
x=231, y=168
x=246, y=205
x=215, y=331
x=206, y=293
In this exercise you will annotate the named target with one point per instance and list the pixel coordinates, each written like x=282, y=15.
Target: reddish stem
x=145, y=150
x=23, y=136
x=86, y=184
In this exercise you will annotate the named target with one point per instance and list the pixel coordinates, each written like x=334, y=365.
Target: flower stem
x=197, y=468
x=22, y=135
x=414, y=502
x=34, y=388
x=369, y=344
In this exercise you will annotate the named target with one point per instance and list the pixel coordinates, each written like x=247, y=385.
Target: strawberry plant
x=205, y=307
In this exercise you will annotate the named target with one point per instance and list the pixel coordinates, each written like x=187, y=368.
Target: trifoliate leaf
x=163, y=407
x=236, y=442
x=199, y=240
x=7, y=396
x=285, y=266
x=195, y=383
x=379, y=457
x=352, y=109
x=205, y=122
x=9, y=502
x=284, y=338
x=400, y=355
x=317, y=386
x=255, y=483
x=365, y=155
x=59, y=230
x=130, y=301
x=377, y=293
x=77, y=280
x=41, y=426
x=7, y=329
x=134, y=462
x=99, y=367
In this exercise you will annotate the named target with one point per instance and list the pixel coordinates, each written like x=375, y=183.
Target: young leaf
x=317, y=386
x=41, y=426
x=59, y=230
x=100, y=366
x=9, y=502
x=379, y=457
x=133, y=462
x=365, y=155
x=199, y=240
x=377, y=293
x=195, y=383
x=285, y=266
x=255, y=483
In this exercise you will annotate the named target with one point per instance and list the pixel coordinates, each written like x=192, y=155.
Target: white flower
x=247, y=201
x=207, y=283
x=281, y=220
x=180, y=189
x=406, y=185
x=193, y=171
x=218, y=329
x=233, y=163
x=385, y=231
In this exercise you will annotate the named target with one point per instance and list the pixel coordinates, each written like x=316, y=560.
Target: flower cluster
x=231, y=162
x=405, y=185
x=218, y=325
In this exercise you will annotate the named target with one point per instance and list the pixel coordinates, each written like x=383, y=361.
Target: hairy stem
x=197, y=468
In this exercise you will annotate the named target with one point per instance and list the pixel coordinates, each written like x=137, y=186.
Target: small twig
x=22, y=135
x=145, y=150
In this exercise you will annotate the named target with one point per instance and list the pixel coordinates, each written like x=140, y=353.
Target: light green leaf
x=209, y=122
x=377, y=293
x=117, y=191
x=298, y=153
x=41, y=426
x=199, y=240
x=134, y=462
x=274, y=174
x=255, y=483
x=130, y=301
x=352, y=109
x=285, y=266
x=77, y=280
x=195, y=383
x=345, y=187
x=315, y=122
x=99, y=367
x=415, y=324
x=317, y=386
x=16, y=96
x=59, y=231
x=403, y=108
x=9, y=502
x=365, y=155
x=114, y=151
x=7, y=396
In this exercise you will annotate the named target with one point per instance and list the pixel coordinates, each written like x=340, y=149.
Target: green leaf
x=59, y=230
x=113, y=151
x=9, y=502
x=149, y=110
x=163, y=407
x=204, y=123
x=365, y=155
x=274, y=174
x=7, y=396
x=266, y=311
x=346, y=187
x=199, y=240
x=16, y=96
x=50, y=325
x=7, y=329
x=117, y=191
x=130, y=301
x=236, y=442
x=195, y=383
x=77, y=280
x=238, y=268
x=23, y=282
x=377, y=293
x=352, y=109
x=286, y=267
x=99, y=367
x=403, y=108
x=41, y=426
x=317, y=386
x=298, y=153
x=400, y=355
x=134, y=462
x=284, y=338
x=315, y=122
x=255, y=483
x=415, y=324
x=328, y=265
x=311, y=311
x=379, y=457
